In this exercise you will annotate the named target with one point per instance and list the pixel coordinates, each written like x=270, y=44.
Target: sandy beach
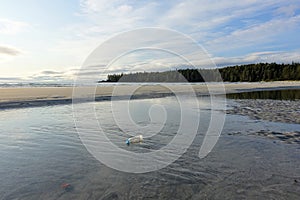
x=40, y=96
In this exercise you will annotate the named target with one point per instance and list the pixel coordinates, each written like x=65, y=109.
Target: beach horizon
x=20, y=97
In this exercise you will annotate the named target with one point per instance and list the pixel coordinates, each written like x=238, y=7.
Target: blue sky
x=42, y=40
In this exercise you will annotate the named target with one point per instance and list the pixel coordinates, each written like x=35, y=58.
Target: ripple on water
x=40, y=150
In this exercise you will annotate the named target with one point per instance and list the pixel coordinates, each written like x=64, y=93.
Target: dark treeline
x=239, y=73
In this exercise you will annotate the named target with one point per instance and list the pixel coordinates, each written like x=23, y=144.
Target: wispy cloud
x=51, y=75
x=158, y=64
x=50, y=72
x=232, y=32
x=260, y=34
x=10, y=51
x=217, y=24
x=10, y=79
x=257, y=57
x=11, y=27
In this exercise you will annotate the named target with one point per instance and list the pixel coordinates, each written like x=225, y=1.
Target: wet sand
x=267, y=109
x=283, y=111
x=43, y=152
x=43, y=96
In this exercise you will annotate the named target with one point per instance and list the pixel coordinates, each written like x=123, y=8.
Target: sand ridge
x=39, y=96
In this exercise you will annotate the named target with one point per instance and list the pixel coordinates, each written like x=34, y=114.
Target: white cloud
x=158, y=64
x=203, y=15
x=11, y=27
x=55, y=76
x=256, y=35
x=111, y=17
x=221, y=25
x=206, y=21
x=288, y=10
x=257, y=57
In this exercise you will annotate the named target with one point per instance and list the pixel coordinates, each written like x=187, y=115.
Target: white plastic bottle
x=135, y=139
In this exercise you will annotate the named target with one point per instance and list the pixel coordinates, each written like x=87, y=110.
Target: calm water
x=268, y=94
x=40, y=150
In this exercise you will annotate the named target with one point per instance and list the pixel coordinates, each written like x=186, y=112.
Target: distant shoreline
x=239, y=73
x=23, y=97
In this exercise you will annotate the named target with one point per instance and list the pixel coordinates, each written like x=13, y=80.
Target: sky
x=49, y=41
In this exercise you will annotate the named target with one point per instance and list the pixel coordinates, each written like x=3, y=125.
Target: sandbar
x=42, y=96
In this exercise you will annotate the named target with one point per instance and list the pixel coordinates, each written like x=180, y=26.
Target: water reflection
x=274, y=94
x=40, y=151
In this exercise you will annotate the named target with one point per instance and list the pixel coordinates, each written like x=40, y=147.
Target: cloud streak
x=219, y=25
x=161, y=64
x=11, y=27
x=259, y=57
x=257, y=35
x=10, y=51
x=233, y=33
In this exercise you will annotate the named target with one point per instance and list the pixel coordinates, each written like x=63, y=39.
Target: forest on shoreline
x=238, y=73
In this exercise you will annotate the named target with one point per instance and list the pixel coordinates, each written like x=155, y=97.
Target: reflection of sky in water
x=40, y=150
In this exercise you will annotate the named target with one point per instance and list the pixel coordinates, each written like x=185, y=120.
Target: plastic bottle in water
x=135, y=139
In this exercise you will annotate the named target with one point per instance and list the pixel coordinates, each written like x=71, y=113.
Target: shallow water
x=287, y=94
x=40, y=150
